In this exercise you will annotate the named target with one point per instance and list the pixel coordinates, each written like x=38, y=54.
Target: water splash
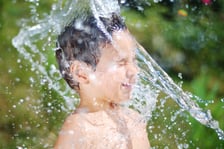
x=161, y=81
x=152, y=79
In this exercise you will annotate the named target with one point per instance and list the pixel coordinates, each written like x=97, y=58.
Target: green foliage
x=189, y=41
x=27, y=120
x=206, y=88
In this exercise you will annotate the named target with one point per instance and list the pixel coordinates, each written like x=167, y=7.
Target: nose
x=132, y=70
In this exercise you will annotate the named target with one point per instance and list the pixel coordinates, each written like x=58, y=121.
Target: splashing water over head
x=152, y=80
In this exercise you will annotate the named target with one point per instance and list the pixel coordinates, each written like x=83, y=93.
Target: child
x=102, y=70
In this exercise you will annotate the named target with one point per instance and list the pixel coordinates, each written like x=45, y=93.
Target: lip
x=127, y=86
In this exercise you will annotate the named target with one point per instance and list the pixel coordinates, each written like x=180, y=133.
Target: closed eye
x=122, y=62
x=125, y=61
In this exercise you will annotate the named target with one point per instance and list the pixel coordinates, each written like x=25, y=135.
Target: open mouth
x=127, y=86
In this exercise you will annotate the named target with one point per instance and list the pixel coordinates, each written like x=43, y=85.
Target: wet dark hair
x=81, y=40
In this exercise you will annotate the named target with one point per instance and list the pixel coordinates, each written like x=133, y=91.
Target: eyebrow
x=121, y=58
x=125, y=59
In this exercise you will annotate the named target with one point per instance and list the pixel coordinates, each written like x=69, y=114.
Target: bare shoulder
x=70, y=131
x=72, y=122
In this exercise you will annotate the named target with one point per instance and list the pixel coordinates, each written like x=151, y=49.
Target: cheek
x=113, y=69
x=116, y=69
x=116, y=73
x=92, y=77
x=112, y=76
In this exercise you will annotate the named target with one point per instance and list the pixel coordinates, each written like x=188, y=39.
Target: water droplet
x=9, y=70
x=38, y=125
x=43, y=81
x=20, y=126
x=222, y=100
x=122, y=1
x=180, y=75
x=54, y=7
x=18, y=60
x=17, y=79
x=49, y=39
x=21, y=101
x=31, y=79
x=49, y=104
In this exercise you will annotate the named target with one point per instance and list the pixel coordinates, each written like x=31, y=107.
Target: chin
x=125, y=98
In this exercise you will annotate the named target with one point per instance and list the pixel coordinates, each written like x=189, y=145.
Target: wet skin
x=113, y=79
x=100, y=122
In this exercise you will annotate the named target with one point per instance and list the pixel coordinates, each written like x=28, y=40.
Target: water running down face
x=115, y=73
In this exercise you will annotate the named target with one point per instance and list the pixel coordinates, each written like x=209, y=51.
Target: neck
x=94, y=105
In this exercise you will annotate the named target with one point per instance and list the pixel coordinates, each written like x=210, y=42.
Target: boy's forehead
x=123, y=41
x=123, y=38
x=123, y=45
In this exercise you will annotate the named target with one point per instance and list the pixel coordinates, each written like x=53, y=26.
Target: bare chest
x=116, y=129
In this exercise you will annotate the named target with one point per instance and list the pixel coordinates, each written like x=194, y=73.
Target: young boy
x=102, y=70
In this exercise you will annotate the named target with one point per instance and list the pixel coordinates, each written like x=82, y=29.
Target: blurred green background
x=185, y=37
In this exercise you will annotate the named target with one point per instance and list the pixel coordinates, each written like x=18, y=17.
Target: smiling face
x=113, y=79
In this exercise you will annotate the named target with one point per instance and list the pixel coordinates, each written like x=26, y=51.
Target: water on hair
x=152, y=80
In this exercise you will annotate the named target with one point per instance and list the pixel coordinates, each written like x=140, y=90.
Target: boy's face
x=115, y=73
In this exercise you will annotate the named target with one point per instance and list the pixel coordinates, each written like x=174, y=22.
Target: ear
x=80, y=71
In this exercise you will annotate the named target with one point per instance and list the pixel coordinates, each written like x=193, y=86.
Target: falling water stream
x=152, y=79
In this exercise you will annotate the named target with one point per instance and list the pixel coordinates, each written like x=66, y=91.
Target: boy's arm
x=71, y=134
